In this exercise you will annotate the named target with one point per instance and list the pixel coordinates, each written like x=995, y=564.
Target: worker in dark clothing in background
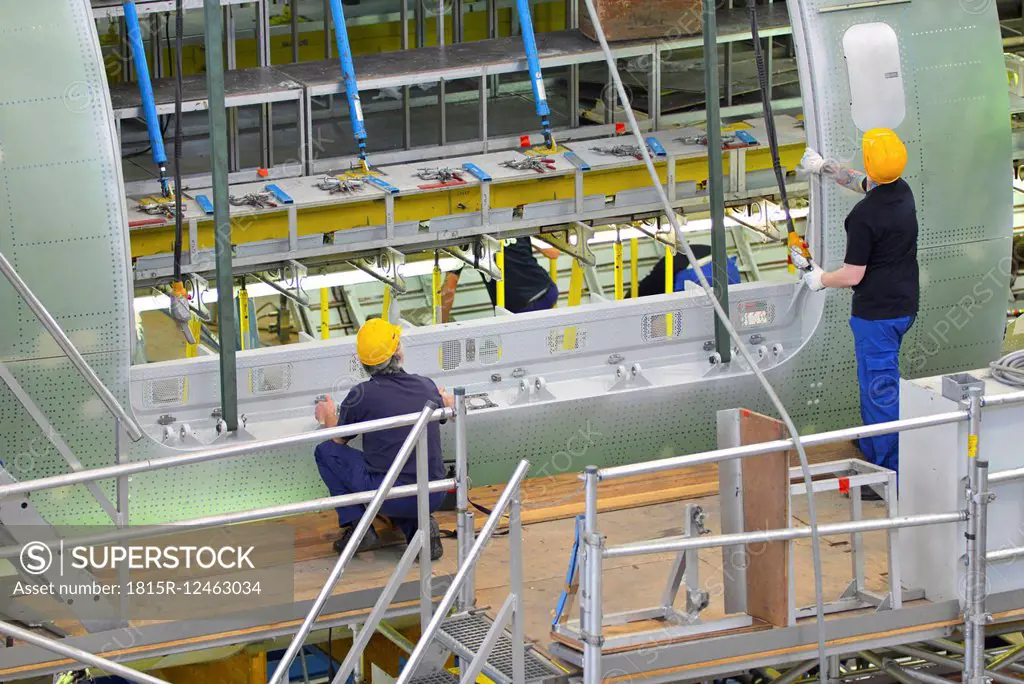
x=390, y=391
x=528, y=287
x=881, y=267
x=654, y=282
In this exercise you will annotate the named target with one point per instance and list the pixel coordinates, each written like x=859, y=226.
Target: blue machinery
x=536, y=77
x=355, y=107
x=348, y=72
x=156, y=138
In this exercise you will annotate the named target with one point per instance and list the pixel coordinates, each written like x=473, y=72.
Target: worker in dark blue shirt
x=881, y=267
x=528, y=286
x=390, y=391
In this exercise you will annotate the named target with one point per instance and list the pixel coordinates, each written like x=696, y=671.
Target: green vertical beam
x=716, y=193
x=221, y=218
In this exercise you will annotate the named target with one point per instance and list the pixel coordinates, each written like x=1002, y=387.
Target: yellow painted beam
x=425, y=206
x=385, y=308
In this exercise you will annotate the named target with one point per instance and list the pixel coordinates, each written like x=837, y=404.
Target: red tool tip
x=524, y=141
x=262, y=173
x=620, y=128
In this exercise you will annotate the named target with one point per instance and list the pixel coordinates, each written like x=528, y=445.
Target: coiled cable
x=1009, y=370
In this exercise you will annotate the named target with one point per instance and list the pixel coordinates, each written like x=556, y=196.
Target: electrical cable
x=769, y=115
x=727, y=324
x=1009, y=370
x=179, y=29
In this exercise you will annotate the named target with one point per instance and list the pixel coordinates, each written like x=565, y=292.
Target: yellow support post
x=619, y=289
x=192, y=350
x=670, y=284
x=670, y=276
x=436, y=293
x=243, y=317
x=325, y=313
x=634, y=269
x=576, y=284
x=500, y=285
x=385, y=308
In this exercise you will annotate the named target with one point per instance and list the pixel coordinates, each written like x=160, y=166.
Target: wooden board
x=559, y=497
x=654, y=628
x=766, y=507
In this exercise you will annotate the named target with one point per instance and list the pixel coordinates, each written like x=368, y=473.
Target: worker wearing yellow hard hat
x=388, y=391
x=881, y=267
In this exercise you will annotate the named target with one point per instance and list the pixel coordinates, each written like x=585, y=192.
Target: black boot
x=436, y=550
x=370, y=540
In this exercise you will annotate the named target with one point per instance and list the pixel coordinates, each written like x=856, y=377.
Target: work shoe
x=370, y=542
x=436, y=550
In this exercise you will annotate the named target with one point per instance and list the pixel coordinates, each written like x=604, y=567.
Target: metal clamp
x=479, y=255
x=385, y=266
x=580, y=250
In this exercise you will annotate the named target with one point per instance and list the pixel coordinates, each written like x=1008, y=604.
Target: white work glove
x=814, y=163
x=813, y=278
x=799, y=260
x=812, y=273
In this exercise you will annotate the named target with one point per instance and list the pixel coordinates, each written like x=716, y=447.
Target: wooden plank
x=654, y=628
x=766, y=507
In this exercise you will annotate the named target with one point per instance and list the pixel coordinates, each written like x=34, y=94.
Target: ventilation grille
x=450, y=354
x=490, y=350
x=267, y=379
x=161, y=393
x=655, y=326
x=566, y=340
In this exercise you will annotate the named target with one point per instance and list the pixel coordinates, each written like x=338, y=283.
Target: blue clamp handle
x=205, y=204
x=656, y=147
x=743, y=136
x=476, y=171
x=282, y=196
x=576, y=161
x=383, y=185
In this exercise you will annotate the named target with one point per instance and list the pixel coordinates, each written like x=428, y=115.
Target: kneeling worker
x=390, y=391
x=528, y=286
x=881, y=267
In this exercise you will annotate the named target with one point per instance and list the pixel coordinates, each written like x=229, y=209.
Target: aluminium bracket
x=580, y=250
x=479, y=254
x=385, y=265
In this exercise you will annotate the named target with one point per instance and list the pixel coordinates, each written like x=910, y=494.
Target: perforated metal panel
x=57, y=140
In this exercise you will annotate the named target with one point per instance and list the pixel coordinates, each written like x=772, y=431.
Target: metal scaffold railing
x=419, y=545
x=975, y=616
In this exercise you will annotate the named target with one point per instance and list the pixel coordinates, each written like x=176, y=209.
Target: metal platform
x=465, y=634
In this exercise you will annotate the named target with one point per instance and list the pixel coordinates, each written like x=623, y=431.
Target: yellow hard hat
x=377, y=341
x=885, y=155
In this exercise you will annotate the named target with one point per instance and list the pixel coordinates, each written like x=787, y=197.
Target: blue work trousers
x=343, y=470
x=877, y=346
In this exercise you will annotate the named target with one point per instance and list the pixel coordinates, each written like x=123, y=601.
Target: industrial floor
x=642, y=511
x=633, y=509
